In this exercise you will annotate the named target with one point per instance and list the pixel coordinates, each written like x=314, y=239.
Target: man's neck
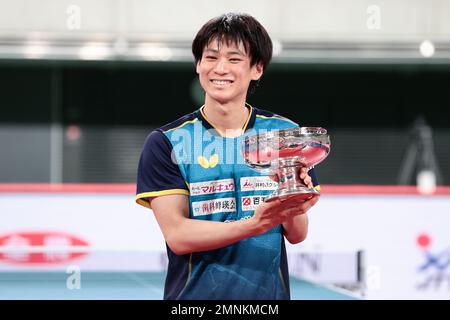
x=229, y=118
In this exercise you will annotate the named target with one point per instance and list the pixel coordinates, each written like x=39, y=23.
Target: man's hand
x=270, y=214
x=306, y=178
x=303, y=175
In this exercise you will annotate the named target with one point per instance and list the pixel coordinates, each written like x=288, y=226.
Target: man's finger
x=303, y=173
x=303, y=207
x=309, y=203
x=313, y=200
x=308, y=181
x=292, y=212
x=293, y=202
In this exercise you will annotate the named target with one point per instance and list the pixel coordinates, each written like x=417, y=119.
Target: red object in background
x=29, y=248
x=423, y=240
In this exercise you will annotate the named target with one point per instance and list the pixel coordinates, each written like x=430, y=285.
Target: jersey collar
x=248, y=124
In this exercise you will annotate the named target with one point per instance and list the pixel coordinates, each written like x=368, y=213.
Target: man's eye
x=210, y=57
x=235, y=59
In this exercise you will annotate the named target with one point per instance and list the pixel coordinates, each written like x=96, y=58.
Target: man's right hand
x=270, y=214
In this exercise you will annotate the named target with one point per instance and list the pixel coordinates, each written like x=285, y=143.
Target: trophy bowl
x=283, y=153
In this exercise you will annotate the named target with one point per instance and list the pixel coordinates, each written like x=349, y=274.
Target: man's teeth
x=221, y=82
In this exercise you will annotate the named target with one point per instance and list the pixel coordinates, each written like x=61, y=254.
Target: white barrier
x=405, y=239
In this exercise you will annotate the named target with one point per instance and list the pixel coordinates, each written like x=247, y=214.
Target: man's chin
x=221, y=98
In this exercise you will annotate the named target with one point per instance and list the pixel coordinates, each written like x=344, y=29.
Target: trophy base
x=299, y=193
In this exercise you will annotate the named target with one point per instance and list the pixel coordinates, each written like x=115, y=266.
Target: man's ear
x=257, y=71
x=197, y=66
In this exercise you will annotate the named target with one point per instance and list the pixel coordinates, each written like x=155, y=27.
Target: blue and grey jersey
x=190, y=157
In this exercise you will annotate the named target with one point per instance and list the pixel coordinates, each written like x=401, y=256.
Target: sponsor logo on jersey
x=202, y=208
x=250, y=203
x=209, y=187
x=208, y=163
x=258, y=183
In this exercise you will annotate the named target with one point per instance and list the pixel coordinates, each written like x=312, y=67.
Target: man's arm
x=295, y=229
x=184, y=235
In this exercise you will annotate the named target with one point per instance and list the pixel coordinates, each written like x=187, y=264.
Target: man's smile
x=221, y=82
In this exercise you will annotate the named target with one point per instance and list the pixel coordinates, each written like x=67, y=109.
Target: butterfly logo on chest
x=208, y=163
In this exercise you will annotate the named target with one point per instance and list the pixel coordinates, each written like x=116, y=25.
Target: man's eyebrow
x=236, y=52
x=229, y=52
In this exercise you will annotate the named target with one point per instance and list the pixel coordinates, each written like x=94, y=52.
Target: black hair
x=236, y=28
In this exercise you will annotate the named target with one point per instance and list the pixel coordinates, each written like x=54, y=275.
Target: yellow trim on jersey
x=317, y=187
x=249, y=117
x=244, y=127
x=153, y=194
x=276, y=117
x=204, y=116
x=143, y=203
x=182, y=125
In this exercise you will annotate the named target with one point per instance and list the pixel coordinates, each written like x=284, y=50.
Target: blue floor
x=121, y=286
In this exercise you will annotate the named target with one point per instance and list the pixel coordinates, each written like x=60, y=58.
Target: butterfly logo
x=211, y=163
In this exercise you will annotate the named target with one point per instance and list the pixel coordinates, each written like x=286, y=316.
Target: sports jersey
x=190, y=157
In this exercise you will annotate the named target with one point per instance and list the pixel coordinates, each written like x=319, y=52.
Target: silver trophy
x=284, y=153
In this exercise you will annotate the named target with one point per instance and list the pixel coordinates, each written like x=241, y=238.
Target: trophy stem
x=289, y=180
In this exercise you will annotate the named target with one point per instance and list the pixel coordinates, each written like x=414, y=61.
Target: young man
x=223, y=240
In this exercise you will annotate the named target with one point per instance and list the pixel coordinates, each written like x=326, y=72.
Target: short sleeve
x=157, y=174
x=315, y=181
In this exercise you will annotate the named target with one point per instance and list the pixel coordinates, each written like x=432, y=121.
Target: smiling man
x=223, y=240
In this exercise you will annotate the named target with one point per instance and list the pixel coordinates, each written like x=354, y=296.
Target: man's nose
x=221, y=67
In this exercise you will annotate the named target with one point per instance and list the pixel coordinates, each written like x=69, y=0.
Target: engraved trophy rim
x=303, y=131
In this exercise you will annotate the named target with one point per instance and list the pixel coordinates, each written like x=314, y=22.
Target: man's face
x=225, y=72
